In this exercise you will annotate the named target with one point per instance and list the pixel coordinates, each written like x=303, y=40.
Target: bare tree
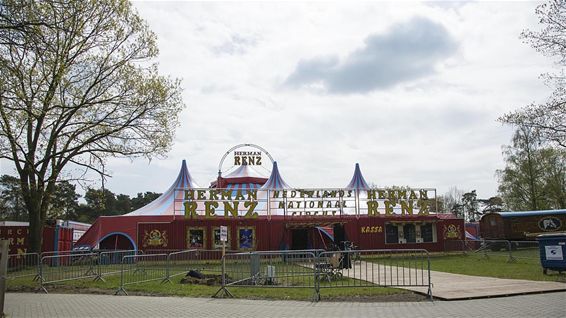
x=549, y=118
x=77, y=86
x=453, y=201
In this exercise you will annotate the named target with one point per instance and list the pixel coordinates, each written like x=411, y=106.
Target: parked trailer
x=521, y=226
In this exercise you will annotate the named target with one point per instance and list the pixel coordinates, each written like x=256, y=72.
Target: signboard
x=252, y=158
x=17, y=238
x=248, y=203
x=223, y=233
x=554, y=253
x=77, y=235
x=245, y=155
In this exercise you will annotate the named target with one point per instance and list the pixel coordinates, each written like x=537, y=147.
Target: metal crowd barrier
x=23, y=265
x=316, y=269
x=178, y=263
x=110, y=262
x=525, y=251
x=162, y=251
x=369, y=268
x=277, y=269
x=137, y=269
x=511, y=251
x=461, y=246
x=59, y=268
x=333, y=269
x=56, y=253
x=181, y=262
x=316, y=252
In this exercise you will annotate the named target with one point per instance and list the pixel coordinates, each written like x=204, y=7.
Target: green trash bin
x=552, y=247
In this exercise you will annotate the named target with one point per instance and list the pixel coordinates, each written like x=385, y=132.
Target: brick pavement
x=81, y=305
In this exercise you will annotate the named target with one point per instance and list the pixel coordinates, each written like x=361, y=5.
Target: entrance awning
x=328, y=231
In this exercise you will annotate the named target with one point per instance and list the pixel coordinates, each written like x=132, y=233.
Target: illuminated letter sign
x=248, y=203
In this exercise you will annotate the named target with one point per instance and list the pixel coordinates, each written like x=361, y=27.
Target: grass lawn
x=526, y=265
x=175, y=288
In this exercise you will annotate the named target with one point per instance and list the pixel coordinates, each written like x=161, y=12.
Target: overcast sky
x=409, y=90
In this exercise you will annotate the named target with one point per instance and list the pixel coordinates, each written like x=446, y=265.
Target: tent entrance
x=339, y=234
x=116, y=241
x=299, y=239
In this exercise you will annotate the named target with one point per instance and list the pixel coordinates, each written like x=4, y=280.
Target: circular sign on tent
x=246, y=155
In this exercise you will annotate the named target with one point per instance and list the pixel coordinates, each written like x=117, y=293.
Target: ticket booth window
x=409, y=233
x=391, y=233
x=426, y=232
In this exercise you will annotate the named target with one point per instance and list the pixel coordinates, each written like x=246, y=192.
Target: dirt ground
x=62, y=289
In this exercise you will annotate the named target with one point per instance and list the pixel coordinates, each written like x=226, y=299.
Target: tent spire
x=358, y=182
x=165, y=204
x=275, y=181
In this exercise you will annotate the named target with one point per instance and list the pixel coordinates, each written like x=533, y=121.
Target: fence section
x=56, y=253
x=110, y=262
x=274, y=269
x=59, y=268
x=159, y=251
x=510, y=251
x=525, y=252
x=316, y=269
x=335, y=269
x=461, y=246
x=23, y=265
x=204, y=261
x=179, y=263
x=370, y=268
x=137, y=269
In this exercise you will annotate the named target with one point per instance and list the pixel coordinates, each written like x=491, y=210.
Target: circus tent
x=242, y=178
x=165, y=204
x=282, y=217
x=120, y=231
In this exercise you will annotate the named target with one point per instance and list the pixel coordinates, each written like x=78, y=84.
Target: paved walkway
x=80, y=305
x=448, y=286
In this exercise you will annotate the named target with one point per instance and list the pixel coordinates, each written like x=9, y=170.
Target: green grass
x=525, y=265
x=175, y=288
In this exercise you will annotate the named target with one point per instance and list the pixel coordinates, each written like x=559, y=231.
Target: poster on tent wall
x=251, y=203
x=196, y=237
x=246, y=238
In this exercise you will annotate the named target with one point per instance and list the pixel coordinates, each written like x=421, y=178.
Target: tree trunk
x=35, y=231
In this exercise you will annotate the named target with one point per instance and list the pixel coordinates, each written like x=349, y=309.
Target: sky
x=409, y=90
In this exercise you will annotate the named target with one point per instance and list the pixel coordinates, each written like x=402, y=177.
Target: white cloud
x=407, y=51
x=437, y=130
